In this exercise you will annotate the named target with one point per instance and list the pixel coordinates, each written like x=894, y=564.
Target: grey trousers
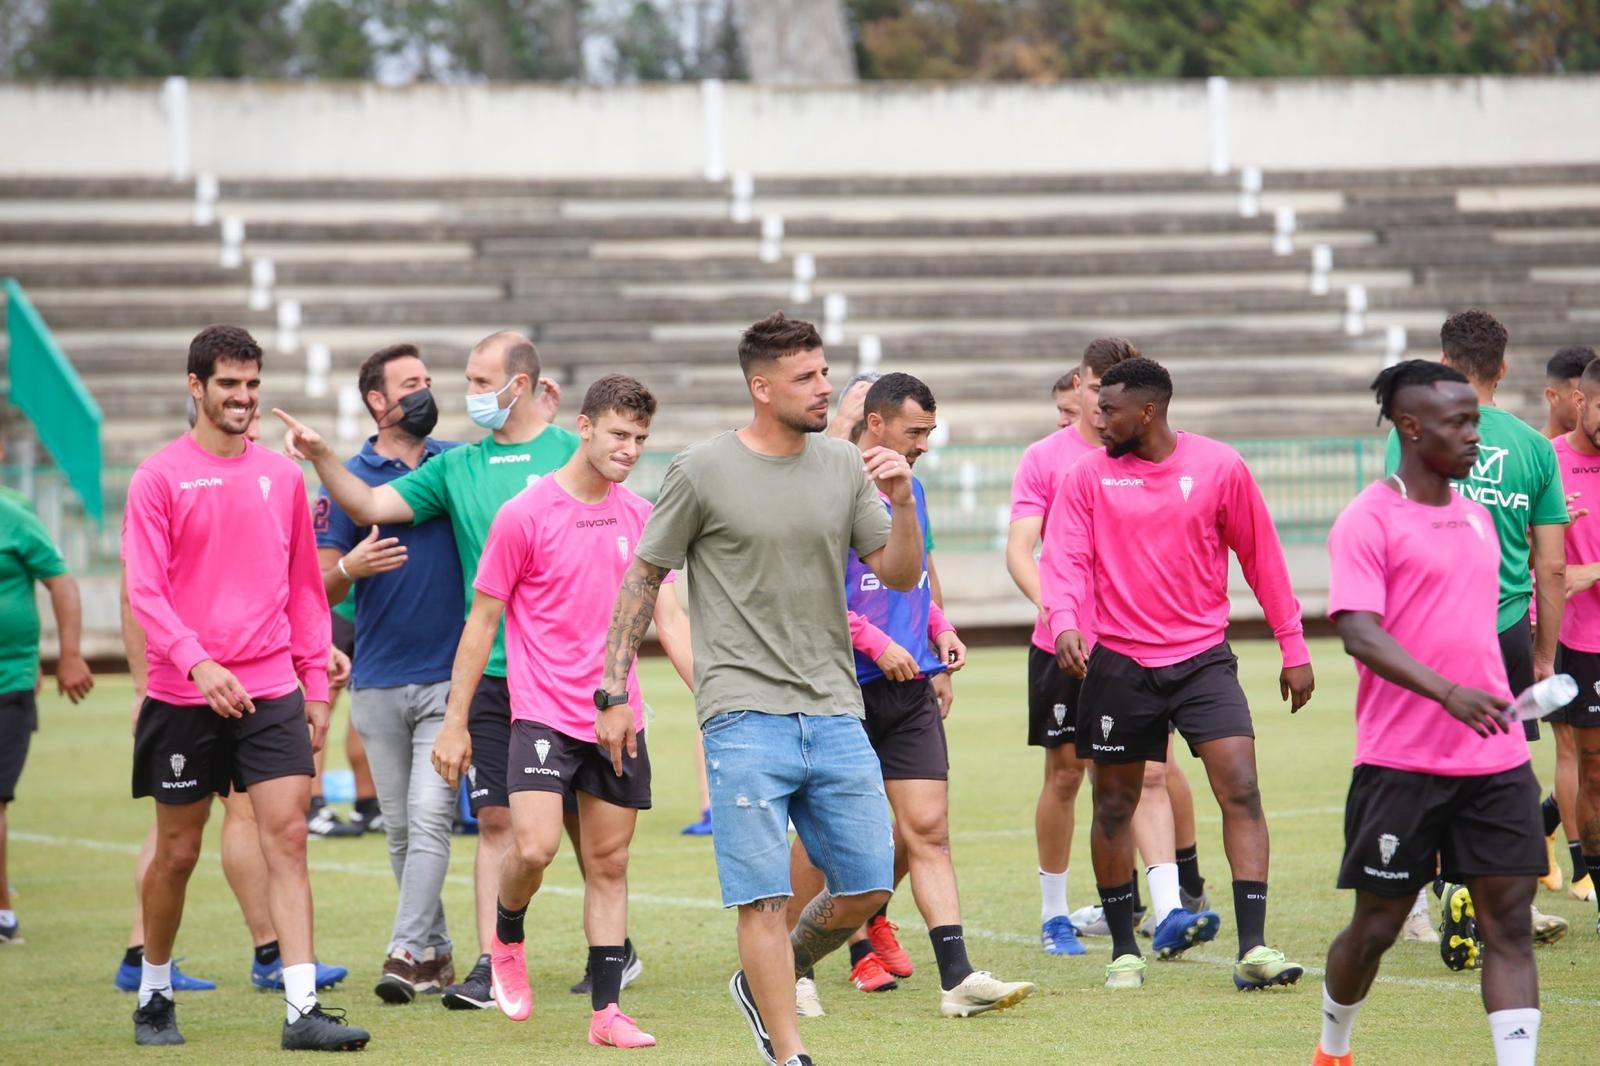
x=398, y=726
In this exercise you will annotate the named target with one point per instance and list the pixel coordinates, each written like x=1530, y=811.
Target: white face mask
x=484, y=408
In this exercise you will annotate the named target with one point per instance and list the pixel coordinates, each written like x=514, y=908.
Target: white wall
x=534, y=131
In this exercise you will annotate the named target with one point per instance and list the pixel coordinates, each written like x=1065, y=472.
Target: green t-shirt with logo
x=470, y=484
x=27, y=555
x=1516, y=477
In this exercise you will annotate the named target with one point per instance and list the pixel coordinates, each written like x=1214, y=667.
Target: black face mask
x=418, y=414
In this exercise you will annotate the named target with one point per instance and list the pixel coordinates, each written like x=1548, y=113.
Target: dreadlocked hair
x=1392, y=379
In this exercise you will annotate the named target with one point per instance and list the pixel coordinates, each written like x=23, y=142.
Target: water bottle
x=1551, y=694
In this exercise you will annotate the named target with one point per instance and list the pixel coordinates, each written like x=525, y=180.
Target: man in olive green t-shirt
x=506, y=396
x=765, y=518
x=27, y=555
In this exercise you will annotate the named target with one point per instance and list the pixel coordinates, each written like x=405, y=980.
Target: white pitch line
x=1431, y=984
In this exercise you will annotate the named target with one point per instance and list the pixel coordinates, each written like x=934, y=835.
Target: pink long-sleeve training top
x=1147, y=544
x=221, y=564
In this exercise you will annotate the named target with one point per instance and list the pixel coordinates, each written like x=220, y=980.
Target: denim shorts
x=820, y=772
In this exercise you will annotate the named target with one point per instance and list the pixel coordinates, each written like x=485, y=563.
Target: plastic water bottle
x=1551, y=694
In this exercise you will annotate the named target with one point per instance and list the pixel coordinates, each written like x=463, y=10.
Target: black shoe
x=475, y=993
x=799, y=1060
x=325, y=822
x=323, y=1030
x=632, y=969
x=745, y=1000
x=156, y=1023
x=1459, y=944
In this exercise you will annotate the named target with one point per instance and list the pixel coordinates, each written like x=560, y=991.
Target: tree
x=154, y=38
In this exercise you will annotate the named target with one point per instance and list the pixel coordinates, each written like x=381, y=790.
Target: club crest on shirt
x=1186, y=485
x=1472, y=520
x=266, y=485
x=622, y=548
x=1387, y=844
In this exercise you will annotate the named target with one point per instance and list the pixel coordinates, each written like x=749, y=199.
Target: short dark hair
x=774, y=337
x=372, y=371
x=1475, y=343
x=619, y=393
x=1568, y=363
x=890, y=392
x=1103, y=353
x=1140, y=375
x=1391, y=379
x=1591, y=374
x=1066, y=382
x=230, y=343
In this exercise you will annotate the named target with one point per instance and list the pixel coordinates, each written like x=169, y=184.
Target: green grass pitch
x=74, y=832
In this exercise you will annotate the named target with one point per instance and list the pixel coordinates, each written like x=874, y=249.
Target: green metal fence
x=1306, y=484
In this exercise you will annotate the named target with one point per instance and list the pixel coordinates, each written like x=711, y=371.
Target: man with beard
x=223, y=579
x=408, y=596
x=1142, y=531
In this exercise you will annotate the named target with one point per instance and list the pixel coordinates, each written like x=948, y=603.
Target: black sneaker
x=319, y=1029
x=1459, y=944
x=475, y=993
x=799, y=1060
x=156, y=1023
x=325, y=822
x=631, y=970
x=745, y=1000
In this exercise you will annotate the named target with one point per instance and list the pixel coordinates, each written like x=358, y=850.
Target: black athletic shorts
x=19, y=718
x=544, y=759
x=1126, y=709
x=489, y=726
x=1397, y=824
x=1053, y=696
x=182, y=754
x=344, y=635
x=904, y=728
x=1584, y=666
x=1516, y=649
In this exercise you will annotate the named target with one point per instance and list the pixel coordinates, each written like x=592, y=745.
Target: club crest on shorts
x=472, y=776
x=177, y=762
x=1387, y=843
x=1060, y=711
x=622, y=548
x=1186, y=485
x=266, y=485
x=1105, y=727
x=1597, y=688
x=541, y=748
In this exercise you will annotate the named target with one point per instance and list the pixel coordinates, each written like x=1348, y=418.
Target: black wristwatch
x=604, y=700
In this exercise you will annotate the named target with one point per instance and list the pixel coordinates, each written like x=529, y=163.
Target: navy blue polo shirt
x=408, y=620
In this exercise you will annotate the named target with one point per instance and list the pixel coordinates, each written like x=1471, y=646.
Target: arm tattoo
x=813, y=937
x=636, y=605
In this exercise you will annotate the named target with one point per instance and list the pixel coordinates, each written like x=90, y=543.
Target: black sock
x=950, y=951
x=1117, y=902
x=367, y=808
x=883, y=911
x=1189, y=878
x=1138, y=901
x=1552, y=814
x=1438, y=889
x=605, y=971
x=508, y=924
x=266, y=954
x=134, y=956
x=860, y=950
x=317, y=804
x=1579, y=867
x=1250, y=914
x=1592, y=863
x=811, y=974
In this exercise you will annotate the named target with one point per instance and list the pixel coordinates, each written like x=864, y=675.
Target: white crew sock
x=1516, y=1036
x=1420, y=906
x=153, y=979
x=1053, y=892
x=1163, y=879
x=300, y=988
x=1337, y=1021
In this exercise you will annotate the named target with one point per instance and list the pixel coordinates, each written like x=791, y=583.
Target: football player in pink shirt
x=555, y=553
x=222, y=575
x=1139, y=534
x=1442, y=779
